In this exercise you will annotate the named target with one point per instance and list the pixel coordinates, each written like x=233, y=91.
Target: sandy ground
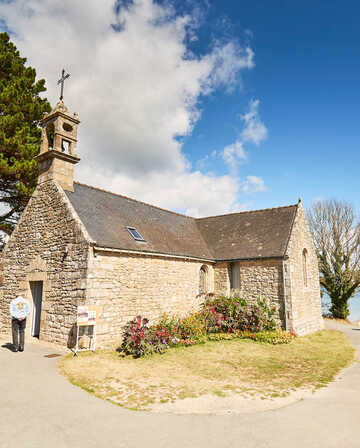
x=232, y=404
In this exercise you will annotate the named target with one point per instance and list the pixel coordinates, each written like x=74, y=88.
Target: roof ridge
x=181, y=214
x=247, y=211
x=134, y=200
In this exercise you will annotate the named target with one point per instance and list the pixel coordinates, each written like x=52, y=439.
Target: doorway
x=37, y=292
x=235, y=276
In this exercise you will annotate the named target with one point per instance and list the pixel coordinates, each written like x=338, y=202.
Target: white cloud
x=253, y=184
x=136, y=91
x=255, y=131
x=232, y=154
x=195, y=193
x=227, y=60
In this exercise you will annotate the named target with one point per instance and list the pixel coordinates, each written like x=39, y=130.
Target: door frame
x=25, y=286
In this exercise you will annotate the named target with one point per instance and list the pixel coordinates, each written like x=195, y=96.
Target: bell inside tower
x=66, y=145
x=50, y=133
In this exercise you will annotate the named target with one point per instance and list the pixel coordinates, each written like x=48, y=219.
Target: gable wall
x=124, y=286
x=303, y=301
x=36, y=252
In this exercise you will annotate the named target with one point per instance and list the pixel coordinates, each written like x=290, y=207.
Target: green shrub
x=230, y=314
x=139, y=339
x=183, y=330
x=192, y=327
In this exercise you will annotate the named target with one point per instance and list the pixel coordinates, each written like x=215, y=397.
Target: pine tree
x=21, y=109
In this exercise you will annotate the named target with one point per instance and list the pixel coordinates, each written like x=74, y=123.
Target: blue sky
x=163, y=98
x=307, y=79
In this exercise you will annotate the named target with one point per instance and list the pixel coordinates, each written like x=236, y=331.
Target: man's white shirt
x=19, y=308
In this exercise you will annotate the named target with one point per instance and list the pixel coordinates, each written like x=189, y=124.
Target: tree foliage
x=336, y=234
x=21, y=109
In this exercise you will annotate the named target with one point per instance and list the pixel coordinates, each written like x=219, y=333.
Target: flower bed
x=220, y=318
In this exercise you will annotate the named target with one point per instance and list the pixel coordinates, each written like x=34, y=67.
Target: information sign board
x=86, y=315
x=86, y=321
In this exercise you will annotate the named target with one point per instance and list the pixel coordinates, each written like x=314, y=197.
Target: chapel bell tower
x=58, y=146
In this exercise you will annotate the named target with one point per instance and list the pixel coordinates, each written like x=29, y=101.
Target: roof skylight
x=135, y=234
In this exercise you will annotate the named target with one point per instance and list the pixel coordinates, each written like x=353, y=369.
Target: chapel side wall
x=222, y=276
x=123, y=286
x=304, y=302
x=36, y=251
x=259, y=279
x=263, y=279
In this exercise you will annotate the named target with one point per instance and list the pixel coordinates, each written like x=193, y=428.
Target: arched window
x=304, y=263
x=203, y=280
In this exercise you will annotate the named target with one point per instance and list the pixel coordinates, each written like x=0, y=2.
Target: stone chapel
x=80, y=245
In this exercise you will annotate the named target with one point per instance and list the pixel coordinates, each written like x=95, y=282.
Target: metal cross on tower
x=61, y=81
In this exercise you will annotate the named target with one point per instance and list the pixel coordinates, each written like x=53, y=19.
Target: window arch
x=203, y=280
x=304, y=264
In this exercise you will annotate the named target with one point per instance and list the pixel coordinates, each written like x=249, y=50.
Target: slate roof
x=245, y=235
x=106, y=215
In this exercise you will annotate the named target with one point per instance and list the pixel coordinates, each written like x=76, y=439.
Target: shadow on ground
x=8, y=346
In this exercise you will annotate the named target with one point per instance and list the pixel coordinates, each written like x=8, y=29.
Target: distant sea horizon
x=354, y=303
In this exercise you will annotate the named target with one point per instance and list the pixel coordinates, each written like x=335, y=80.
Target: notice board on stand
x=86, y=328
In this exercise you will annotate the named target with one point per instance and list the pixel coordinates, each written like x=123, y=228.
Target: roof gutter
x=231, y=260
x=182, y=257
x=150, y=254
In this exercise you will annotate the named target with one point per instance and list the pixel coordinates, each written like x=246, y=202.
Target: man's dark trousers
x=18, y=326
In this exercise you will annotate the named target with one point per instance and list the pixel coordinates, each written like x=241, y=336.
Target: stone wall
x=123, y=286
x=259, y=279
x=263, y=279
x=222, y=276
x=302, y=295
x=50, y=245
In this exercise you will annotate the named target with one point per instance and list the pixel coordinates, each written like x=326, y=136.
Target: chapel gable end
x=300, y=237
x=49, y=244
x=302, y=277
x=48, y=220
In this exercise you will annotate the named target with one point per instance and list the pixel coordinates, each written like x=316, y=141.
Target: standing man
x=19, y=310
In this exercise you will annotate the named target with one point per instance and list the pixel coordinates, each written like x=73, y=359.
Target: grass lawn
x=241, y=366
